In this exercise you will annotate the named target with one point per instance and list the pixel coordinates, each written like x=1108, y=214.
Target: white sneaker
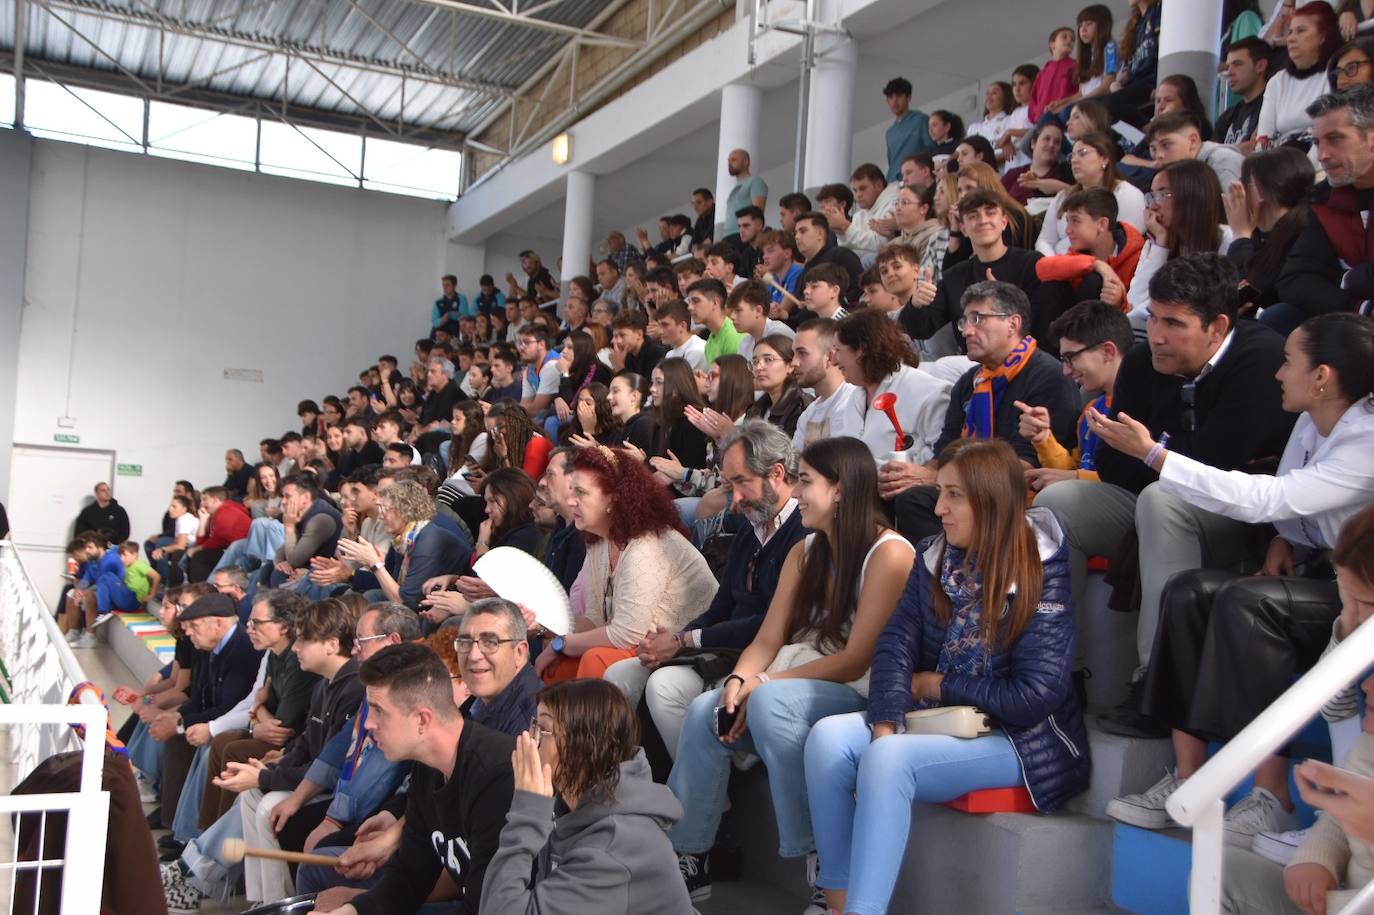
x=146, y=793
x=1259, y=811
x=1279, y=847
x=817, y=905
x=72, y=635
x=101, y=619
x=1146, y=809
x=87, y=640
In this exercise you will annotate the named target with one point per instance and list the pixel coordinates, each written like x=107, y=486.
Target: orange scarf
x=988, y=388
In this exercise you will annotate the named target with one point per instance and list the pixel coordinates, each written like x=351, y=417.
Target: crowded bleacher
x=772, y=480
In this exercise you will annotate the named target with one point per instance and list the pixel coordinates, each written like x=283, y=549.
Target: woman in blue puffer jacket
x=941, y=649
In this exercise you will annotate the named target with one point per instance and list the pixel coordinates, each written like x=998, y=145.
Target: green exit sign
x=66, y=438
x=129, y=470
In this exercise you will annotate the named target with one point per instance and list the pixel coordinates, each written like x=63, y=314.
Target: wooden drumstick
x=772, y=280
x=232, y=851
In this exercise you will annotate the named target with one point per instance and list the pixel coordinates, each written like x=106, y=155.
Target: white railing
x=1199, y=801
x=40, y=672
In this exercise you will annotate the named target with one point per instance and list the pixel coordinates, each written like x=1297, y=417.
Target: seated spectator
x=913, y=218
x=1096, y=58
x=1018, y=123
x=781, y=400
x=1312, y=38
x=836, y=592
x=1178, y=95
x=998, y=104
x=947, y=245
x=222, y=522
x=943, y=649
x=933, y=309
x=1047, y=173
x=1138, y=57
x=1328, y=267
x=460, y=787
x=823, y=289
x=489, y=300
x=1207, y=380
x=166, y=690
x=139, y=577
x=105, y=516
x=1093, y=163
x=635, y=426
x=1101, y=263
x=630, y=351
x=507, y=494
x=839, y=406
x=1093, y=337
x=673, y=387
x=706, y=300
x=747, y=241
x=872, y=355
x=168, y=558
x=748, y=307
x=308, y=412
x=908, y=134
x=441, y=393
x=675, y=331
x=237, y=472
x=1351, y=64
x=1175, y=229
x=877, y=296
x=583, y=747
x=539, y=377
x=1056, y=79
x=99, y=589
x=653, y=577
x=578, y=367
x=505, y=381
x=264, y=493
x=872, y=198
x=1247, y=74
x=1175, y=137
x=946, y=130
x=360, y=448
x=981, y=176
x=593, y=419
x=1267, y=211
x=790, y=207
x=311, y=526
x=813, y=243
x=1228, y=646
x=778, y=250
x=1010, y=368
x=723, y=263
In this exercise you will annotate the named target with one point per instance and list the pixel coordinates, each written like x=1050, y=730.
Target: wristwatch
x=556, y=646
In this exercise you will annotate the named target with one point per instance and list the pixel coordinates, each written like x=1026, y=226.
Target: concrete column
x=1188, y=44
x=830, y=113
x=577, y=225
x=741, y=114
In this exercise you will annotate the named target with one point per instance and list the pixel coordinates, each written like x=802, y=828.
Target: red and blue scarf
x=988, y=388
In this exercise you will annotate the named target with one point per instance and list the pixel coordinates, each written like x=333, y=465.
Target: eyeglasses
x=1068, y=357
x=537, y=733
x=1352, y=69
x=252, y=623
x=489, y=644
x=1155, y=198
x=1189, y=395
x=765, y=360
x=974, y=318
x=358, y=641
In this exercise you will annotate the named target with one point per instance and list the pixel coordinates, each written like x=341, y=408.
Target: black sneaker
x=155, y=819
x=1127, y=719
x=696, y=873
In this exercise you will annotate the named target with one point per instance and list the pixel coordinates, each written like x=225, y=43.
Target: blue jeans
x=184, y=827
x=146, y=754
x=779, y=716
x=862, y=842
x=207, y=872
x=265, y=537
x=1282, y=317
x=111, y=594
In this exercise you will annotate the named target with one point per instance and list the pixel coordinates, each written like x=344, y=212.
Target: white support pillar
x=741, y=114
x=1188, y=44
x=830, y=113
x=577, y=225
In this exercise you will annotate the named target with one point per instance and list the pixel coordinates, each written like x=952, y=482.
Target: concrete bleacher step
x=1121, y=765
x=140, y=642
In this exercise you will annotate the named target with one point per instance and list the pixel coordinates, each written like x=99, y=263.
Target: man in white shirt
x=540, y=378
x=748, y=309
x=838, y=407
x=870, y=198
x=675, y=330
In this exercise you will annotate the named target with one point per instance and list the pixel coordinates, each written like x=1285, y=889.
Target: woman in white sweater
x=1093, y=161
x=1312, y=37
x=641, y=571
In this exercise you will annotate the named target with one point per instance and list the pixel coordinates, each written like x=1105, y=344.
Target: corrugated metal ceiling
x=439, y=69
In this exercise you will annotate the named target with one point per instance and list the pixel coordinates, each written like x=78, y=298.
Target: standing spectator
x=537, y=275
x=105, y=515
x=489, y=300
x=1018, y=123
x=1055, y=80
x=946, y=130
x=749, y=190
x=221, y=522
x=451, y=305
x=704, y=205
x=1313, y=36
x=998, y=104
x=1247, y=75
x=908, y=134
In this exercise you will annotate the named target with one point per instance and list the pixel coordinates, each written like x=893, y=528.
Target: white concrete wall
x=147, y=278
x=15, y=152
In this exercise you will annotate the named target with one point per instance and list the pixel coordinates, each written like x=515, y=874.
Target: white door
x=48, y=488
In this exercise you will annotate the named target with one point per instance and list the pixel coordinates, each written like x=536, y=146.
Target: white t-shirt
x=922, y=400
x=549, y=377
x=842, y=413
x=770, y=327
x=189, y=525
x=694, y=351
x=1017, y=120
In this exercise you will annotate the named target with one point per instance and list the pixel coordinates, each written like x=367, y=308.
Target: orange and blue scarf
x=112, y=742
x=988, y=388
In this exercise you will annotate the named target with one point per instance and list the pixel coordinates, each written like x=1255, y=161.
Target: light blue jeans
x=146, y=754
x=265, y=537
x=207, y=872
x=779, y=716
x=861, y=794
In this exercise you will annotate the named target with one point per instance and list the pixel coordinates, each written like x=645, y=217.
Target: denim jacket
x=373, y=777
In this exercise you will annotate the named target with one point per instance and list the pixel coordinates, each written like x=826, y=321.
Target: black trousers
x=1227, y=647
x=199, y=566
x=177, y=755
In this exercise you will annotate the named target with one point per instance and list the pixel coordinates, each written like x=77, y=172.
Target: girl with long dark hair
x=1266, y=210
x=1096, y=57
x=579, y=367
x=507, y=493
x=594, y=420
x=1139, y=60
x=985, y=621
x=781, y=400
x=809, y=660
x=673, y=385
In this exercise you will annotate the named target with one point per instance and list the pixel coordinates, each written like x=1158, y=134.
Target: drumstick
x=232, y=851
x=772, y=280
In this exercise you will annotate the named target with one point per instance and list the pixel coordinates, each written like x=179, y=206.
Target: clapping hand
x=713, y=423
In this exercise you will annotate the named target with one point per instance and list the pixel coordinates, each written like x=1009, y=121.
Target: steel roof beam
x=585, y=36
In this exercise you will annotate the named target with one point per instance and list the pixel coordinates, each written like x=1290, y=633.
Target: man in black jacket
x=817, y=245
x=105, y=516
x=1206, y=382
x=459, y=792
x=494, y=658
x=760, y=464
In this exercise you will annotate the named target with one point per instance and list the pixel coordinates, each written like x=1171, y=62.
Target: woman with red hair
x=641, y=572
x=1313, y=36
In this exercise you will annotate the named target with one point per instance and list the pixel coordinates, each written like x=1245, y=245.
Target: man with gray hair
x=1329, y=266
x=494, y=658
x=441, y=393
x=760, y=466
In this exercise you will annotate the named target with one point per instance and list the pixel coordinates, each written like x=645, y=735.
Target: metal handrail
x=1199, y=800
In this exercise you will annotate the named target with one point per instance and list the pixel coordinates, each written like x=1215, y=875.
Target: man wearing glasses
x=1205, y=384
x=494, y=657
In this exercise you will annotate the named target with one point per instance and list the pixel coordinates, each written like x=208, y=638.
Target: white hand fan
x=519, y=577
